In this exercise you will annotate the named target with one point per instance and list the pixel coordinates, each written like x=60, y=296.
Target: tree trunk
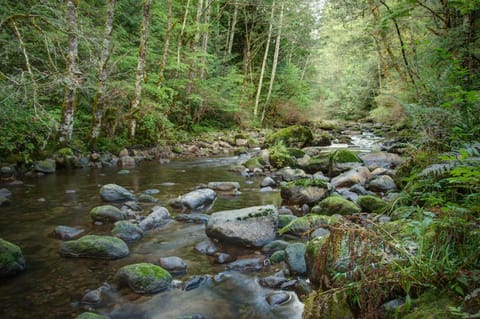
x=168, y=34
x=275, y=63
x=232, y=29
x=182, y=31
x=99, y=100
x=264, y=62
x=196, y=39
x=142, y=57
x=70, y=100
x=205, y=39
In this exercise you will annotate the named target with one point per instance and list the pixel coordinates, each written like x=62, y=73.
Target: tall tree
x=99, y=100
x=141, y=70
x=73, y=78
x=196, y=39
x=166, y=44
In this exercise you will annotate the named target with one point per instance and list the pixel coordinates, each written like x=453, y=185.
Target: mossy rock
x=372, y=204
x=11, y=259
x=344, y=156
x=306, y=182
x=322, y=139
x=292, y=136
x=47, y=166
x=277, y=257
x=127, y=231
x=107, y=214
x=280, y=157
x=66, y=151
x=431, y=305
x=304, y=191
x=296, y=152
x=338, y=205
x=305, y=224
x=318, y=163
x=254, y=162
x=177, y=149
x=284, y=220
x=90, y=315
x=144, y=278
x=93, y=246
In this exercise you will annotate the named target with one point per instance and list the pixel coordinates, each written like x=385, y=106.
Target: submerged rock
x=67, y=232
x=248, y=264
x=278, y=298
x=174, y=265
x=144, y=278
x=231, y=188
x=274, y=281
x=206, y=247
x=90, y=315
x=198, y=200
x=127, y=231
x=93, y=246
x=11, y=259
x=252, y=226
x=194, y=218
x=107, y=214
x=115, y=193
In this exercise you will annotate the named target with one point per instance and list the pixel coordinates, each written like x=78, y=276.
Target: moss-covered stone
x=144, y=278
x=280, y=157
x=303, y=225
x=11, y=259
x=431, y=305
x=338, y=205
x=322, y=139
x=254, y=162
x=306, y=182
x=127, y=231
x=47, y=166
x=318, y=163
x=284, y=220
x=292, y=136
x=296, y=152
x=344, y=156
x=107, y=214
x=372, y=204
x=277, y=257
x=90, y=315
x=177, y=149
x=66, y=151
x=93, y=246
x=304, y=191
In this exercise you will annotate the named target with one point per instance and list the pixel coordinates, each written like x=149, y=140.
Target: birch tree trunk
x=166, y=44
x=232, y=30
x=264, y=62
x=99, y=100
x=182, y=31
x=275, y=62
x=208, y=4
x=142, y=58
x=196, y=39
x=70, y=100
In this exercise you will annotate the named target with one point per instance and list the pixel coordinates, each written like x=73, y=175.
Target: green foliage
x=279, y=156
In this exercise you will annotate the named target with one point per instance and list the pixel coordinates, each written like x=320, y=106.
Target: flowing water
x=52, y=286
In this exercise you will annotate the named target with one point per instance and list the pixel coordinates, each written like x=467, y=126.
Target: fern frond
x=438, y=169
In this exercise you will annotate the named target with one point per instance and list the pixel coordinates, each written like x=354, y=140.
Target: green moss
x=146, y=277
x=66, y=151
x=284, y=220
x=344, y=156
x=94, y=246
x=293, y=136
x=177, y=149
x=431, y=305
x=279, y=156
x=295, y=152
x=9, y=252
x=306, y=182
x=254, y=162
x=277, y=256
x=372, y=204
x=338, y=205
x=305, y=224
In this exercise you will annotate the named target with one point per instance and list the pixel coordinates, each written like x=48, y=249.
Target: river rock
x=230, y=188
x=107, y=214
x=347, y=194
x=90, y=315
x=360, y=175
x=295, y=258
x=151, y=191
x=252, y=226
x=381, y=159
x=274, y=281
x=115, y=193
x=278, y=298
x=206, y=247
x=132, y=205
x=288, y=174
x=67, y=233
x=93, y=246
x=4, y=200
x=372, y=204
x=11, y=259
x=194, y=218
x=304, y=191
x=248, y=264
x=223, y=258
x=268, y=182
x=284, y=220
x=127, y=161
x=194, y=282
x=144, y=278
x=145, y=198
x=277, y=257
x=5, y=193
x=174, y=265
x=275, y=245
x=158, y=217
x=47, y=166
x=198, y=200
x=338, y=205
x=320, y=233
x=292, y=136
x=383, y=183
x=127, y=231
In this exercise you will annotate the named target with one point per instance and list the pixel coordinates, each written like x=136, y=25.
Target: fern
x=438, y=169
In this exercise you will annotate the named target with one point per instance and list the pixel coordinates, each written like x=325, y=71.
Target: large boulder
x=127, y=231
x=292, y=136
x=158, y=217
x=11, y=259
x=107, y=214
x=252, y=226
x=115, y=193
x=360, y=175
x=195, y=201
x=47, y=166
x=144, y=278
x=304, y=191
x=381, y=159
x=93, y=246
x=336, y=204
